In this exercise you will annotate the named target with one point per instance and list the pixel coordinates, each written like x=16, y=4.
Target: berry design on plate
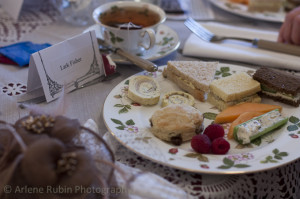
x=204, y=166
x=173, y=150
x=237, y=158
x=294, y=135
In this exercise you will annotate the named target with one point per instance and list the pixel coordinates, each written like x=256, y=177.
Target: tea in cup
x=129, y=25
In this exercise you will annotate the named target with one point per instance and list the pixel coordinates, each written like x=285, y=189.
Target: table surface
x=88, y=103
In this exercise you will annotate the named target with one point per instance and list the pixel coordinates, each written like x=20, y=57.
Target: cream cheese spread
x=256, y=125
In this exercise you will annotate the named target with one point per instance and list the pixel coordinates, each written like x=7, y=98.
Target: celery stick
x=250, y=130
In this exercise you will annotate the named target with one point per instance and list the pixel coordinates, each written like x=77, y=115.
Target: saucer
x=167, y=41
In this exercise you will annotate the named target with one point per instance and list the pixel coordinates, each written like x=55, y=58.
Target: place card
x=65, y=66
x=12, y=7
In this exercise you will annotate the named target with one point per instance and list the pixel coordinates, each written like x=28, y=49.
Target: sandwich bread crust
x=234, y=87
x=185, y=85
x=199, y=73
x=279, y=86
x=278, y=80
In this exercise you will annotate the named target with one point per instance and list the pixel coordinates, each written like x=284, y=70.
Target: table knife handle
x=278, y=47
x=143, y=63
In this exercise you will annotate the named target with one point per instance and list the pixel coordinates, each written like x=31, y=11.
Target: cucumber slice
x=256, y=126
x=267, y=89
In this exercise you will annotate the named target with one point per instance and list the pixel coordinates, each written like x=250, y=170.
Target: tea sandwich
x=193, y=77
x=278, y=85
x=265, y=5
x=144, y=90
x=234, y=89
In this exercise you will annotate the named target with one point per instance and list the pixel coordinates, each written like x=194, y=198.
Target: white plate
x=242, y=10
x=167, y=41
x=129, y=124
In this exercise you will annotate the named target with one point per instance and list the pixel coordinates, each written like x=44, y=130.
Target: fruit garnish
x=214, y=131
x=201, y=143
x=220, y=146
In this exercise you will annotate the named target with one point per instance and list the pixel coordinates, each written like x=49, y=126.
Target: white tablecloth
x=87, y=103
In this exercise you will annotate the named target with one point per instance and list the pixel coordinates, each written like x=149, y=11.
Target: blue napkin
x=20, y=52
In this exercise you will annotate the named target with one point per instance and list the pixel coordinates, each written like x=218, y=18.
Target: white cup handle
x=151, y=34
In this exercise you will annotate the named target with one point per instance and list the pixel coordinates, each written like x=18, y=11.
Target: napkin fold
x=240, y=51
x=146, y=185
x=19, y=53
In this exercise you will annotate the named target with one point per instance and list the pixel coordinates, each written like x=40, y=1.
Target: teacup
x=129, y=25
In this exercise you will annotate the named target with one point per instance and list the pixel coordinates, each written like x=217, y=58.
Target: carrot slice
x=233, y=112
x=241, y=119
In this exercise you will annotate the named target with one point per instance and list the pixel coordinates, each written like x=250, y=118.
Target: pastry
x=176, y=123
x=177, y=97
x=144, y=90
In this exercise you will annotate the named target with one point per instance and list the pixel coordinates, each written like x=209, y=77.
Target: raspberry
x=214, y=131
x=201, y=143
x=220, y=146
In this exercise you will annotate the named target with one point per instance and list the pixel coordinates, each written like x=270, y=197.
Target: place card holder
x=67, y=65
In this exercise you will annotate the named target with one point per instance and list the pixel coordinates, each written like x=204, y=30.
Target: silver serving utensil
x=142, y=63
x=208, y=36
x=41, y=99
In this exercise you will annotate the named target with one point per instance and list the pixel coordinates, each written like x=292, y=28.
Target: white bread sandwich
x=265, y=5
x=234, y=89
x=193, y=77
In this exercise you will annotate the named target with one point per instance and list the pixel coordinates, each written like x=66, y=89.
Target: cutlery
x=41, y=99
x=142, y=63
x=208, y=36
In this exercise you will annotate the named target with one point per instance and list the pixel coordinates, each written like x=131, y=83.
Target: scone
x=176, y=123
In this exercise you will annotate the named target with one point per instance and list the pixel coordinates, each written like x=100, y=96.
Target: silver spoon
x=142, y=63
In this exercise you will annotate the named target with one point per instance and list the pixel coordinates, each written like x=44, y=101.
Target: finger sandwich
x=278, y=85
x=234, y=89
x=265, y=5
x=193, y=77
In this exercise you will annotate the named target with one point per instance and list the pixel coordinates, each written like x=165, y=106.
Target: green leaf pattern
x=275, y=158
x=223, y=72
x=115, y=39
x=199, y=156
x=228, y=163
x=128, y=126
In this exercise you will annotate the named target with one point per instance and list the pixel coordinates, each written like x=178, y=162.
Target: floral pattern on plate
x=133, y=131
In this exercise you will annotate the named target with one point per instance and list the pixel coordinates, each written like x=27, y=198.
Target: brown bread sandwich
x=278, y=85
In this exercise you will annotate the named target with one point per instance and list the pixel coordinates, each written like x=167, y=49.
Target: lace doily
x=277, y=183
x=30, y=18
